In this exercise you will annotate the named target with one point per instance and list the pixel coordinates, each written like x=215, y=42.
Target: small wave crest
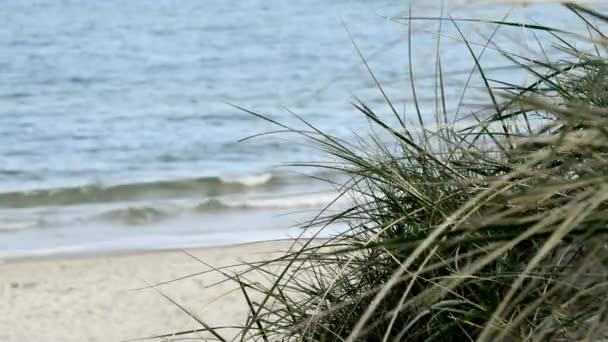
x=164, y=189
x=248, y=180
x=155, y=213
x=16, y=226
x=142, y=214
x=135, y=216
x=317, y=200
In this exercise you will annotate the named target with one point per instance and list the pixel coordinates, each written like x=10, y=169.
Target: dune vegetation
x=493, y=230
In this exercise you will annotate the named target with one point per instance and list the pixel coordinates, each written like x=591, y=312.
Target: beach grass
x=489, y=229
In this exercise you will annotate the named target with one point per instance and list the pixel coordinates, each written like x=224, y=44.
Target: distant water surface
x=116, y=129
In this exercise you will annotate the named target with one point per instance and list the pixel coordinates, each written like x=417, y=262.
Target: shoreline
x=129, y=252
x=93, y=297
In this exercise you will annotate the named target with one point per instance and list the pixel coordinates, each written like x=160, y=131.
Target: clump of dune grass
x=497, y=231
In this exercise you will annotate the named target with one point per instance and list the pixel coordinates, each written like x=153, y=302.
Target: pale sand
x=88, y=298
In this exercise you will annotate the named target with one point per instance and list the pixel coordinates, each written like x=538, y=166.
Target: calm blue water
x=115, y=125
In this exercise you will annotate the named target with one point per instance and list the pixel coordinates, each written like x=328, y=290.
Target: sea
x=128, y=125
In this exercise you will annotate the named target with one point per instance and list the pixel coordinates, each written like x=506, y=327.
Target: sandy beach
x=91, y=298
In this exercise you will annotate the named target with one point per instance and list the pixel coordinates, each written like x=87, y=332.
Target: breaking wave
x=164, y=189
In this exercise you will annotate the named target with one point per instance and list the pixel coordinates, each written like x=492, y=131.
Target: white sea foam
x=251, y=180
x=308, y=200
x=19, y=225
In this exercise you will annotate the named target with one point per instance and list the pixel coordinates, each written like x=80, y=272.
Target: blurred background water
x=116, y=129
